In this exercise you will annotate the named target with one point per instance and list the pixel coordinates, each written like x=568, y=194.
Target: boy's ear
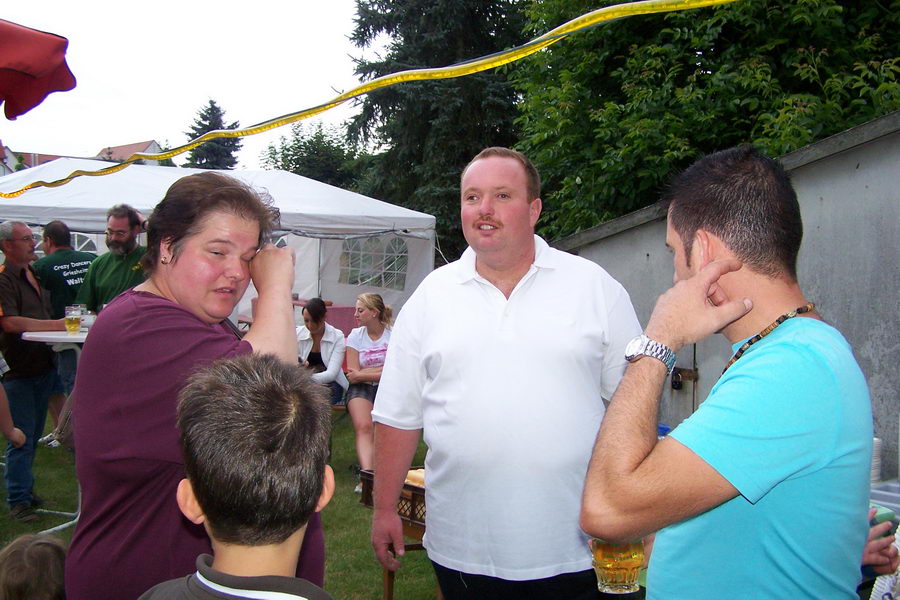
x=187, y=502
x=327, y=489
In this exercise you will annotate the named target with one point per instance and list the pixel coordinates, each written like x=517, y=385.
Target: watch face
x=633, y=347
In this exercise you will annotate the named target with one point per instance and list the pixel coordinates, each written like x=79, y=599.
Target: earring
x=164, y=260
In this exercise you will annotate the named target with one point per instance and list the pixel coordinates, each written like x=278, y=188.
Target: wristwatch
x=644, y=346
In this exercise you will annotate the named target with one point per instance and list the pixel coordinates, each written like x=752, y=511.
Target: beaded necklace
x=740, y=351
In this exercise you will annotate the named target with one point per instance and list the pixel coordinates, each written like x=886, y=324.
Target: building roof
x=30, y=159
x=121, y=153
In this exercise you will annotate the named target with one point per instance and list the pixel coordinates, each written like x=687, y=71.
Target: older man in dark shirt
x=32, y=378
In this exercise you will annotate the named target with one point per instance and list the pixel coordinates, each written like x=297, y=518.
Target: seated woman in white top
x=366, y=348
x=321, y=348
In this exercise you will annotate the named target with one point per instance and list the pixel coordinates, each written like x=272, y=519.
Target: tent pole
x=319, y=270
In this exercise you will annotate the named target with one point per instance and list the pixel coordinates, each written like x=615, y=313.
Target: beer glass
x=617, y=565
x=73, y=319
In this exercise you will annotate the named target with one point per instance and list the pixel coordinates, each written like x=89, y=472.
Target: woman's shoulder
x=133, y=309
x=138, y=313
x=355, y=338
x=332, y=332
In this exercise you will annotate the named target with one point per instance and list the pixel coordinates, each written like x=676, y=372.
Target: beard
x=121, y=248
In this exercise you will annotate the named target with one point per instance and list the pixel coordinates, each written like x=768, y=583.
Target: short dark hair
x=120, y=211
x=191, y=199
x=316, y=309
x=747, y=200
x=254, y=433
x=58, y=233
x=32, y=567
x=532, y=177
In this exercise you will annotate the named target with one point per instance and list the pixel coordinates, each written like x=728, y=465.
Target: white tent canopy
x=346, y=243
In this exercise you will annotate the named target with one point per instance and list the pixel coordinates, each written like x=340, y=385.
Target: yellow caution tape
x=477, y=65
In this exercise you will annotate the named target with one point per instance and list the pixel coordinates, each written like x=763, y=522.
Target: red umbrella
x=32, y=65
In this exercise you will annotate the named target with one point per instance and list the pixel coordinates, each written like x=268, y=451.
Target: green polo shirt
x=109, y=276
x=62, y=274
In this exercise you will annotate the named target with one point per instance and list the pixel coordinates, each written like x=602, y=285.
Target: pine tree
x=218, y=153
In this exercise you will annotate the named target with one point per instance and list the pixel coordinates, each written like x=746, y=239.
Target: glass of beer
x=617, y=565
x=73, y=319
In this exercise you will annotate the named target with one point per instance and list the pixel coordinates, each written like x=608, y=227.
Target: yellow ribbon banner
x=477, y=65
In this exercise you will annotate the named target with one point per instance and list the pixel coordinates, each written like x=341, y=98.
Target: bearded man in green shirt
x=120, y=268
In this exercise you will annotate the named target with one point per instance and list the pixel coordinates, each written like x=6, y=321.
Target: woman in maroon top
x=204, y=248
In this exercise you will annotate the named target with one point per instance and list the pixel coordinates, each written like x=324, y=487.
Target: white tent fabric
x=337, y=233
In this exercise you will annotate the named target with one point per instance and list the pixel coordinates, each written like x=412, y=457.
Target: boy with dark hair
x=254, y=434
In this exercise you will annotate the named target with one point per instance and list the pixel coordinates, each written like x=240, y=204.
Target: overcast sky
x=144, y=70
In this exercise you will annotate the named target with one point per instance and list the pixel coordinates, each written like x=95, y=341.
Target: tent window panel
x=84, y=243
x=351, y=257
x=372, y=262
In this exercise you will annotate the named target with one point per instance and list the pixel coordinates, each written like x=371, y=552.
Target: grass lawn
x=352, y=573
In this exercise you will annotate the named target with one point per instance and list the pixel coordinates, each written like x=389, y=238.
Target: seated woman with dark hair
x=321, y=347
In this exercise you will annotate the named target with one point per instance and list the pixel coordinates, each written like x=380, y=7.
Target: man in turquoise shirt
x=120, y=268
x=763, y=492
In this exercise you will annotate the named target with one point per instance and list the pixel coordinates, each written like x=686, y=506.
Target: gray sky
x=144, y=70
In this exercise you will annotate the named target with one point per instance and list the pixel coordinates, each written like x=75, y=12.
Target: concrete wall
x=849, y=192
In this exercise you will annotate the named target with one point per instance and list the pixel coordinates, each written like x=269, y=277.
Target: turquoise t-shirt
x=790, y=426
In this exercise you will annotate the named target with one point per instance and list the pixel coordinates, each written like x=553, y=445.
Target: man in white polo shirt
x=502, y=358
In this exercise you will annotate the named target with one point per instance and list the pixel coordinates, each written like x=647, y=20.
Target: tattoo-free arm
x=394, y=451
x=634, y=485
x=272, y=271
x=23, y=324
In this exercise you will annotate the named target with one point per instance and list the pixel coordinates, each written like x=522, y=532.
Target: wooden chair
x=411, y=507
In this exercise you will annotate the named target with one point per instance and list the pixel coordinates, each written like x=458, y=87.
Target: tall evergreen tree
x=218, y=153
x=608, y=114
x=430, y=129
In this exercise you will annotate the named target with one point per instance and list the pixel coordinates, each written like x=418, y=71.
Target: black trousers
x=456, y=585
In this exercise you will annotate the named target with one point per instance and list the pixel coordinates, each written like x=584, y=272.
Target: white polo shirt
x=508, y=393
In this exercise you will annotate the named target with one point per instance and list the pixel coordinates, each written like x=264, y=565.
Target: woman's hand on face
x=273, y=268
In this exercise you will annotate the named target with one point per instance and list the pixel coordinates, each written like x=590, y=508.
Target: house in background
x=121, y=153
x=11, y=160
x=14, y=160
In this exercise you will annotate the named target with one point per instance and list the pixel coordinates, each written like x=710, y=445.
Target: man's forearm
x=627, y=436
x=628, y=431
x=635, y=486
x=23, y=324
x=394, y=451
